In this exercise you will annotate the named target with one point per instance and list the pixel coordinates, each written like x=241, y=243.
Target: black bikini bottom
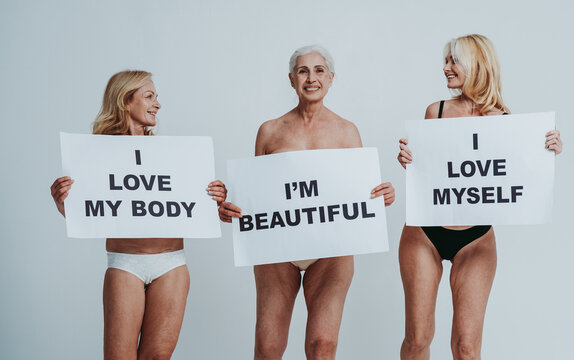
x=449, y=242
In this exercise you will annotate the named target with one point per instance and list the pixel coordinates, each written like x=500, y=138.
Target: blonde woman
x=147, y=281
x=473, y=74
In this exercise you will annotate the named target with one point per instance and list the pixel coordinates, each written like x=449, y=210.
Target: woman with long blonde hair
x=473, y=75
x=147, y=280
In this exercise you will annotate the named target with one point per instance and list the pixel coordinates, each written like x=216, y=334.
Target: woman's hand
x=553, y=141
x=60, y=189
x=405, y=155
x=217, y=191
x=385, y=189
x=227, y=210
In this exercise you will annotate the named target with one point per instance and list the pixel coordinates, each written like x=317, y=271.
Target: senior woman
x=147, y=281
x=310, y=125
x=472, y=72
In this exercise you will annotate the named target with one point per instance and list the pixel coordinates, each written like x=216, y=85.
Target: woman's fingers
x=224, y=218
x=59, y=183
x=379, y=187
x=389, y=198
x=389, y=193
x=60, y=189
x=553, y=141
x=405, y=149
x=228, y=210
x=216, y=189
x=385, y=189
x=404, y=160
x=218, y=196
x=216, y=183
x=405, y=155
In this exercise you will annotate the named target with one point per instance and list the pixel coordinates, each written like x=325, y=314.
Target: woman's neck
x=310, y=111
x=137, y=130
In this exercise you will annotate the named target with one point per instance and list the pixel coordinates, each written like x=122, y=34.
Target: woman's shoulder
x=267, y=133
x=338, y=119
x=273, y=126
x=268, y=127
x=345, y=126
x=433, y=110
x=270, y=124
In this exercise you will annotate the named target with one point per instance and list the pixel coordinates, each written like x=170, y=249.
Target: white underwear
x=302, y=265
x=147, y=267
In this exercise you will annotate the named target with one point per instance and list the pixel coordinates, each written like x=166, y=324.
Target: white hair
x=310, y=49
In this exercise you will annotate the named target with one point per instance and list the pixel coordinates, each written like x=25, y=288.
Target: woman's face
x=454, y=76
x=142, y=108
x=311, y=77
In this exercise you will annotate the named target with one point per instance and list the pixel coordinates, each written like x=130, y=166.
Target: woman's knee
x=269, y=349
x=466, y=348
x=321, y=347
x=417, y=341
x=155, y=353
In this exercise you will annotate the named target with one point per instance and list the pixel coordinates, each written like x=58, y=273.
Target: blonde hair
x=113, y=118
x=476, y=57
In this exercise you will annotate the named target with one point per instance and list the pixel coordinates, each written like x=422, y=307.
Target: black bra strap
x=442, y=105
x=440, y=109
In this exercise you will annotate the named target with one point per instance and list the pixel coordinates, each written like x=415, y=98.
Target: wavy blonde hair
x=113, y=118
x=476, y=57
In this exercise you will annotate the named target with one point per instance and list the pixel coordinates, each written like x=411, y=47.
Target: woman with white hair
x=310, y=125
x=472, y=71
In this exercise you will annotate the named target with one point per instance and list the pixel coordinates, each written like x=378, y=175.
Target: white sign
x=306, y=205
x=487, y=170
x=139, y=186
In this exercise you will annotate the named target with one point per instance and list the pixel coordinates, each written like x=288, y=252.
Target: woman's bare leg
x=277, y=287
x=124, y=304
x=326, y=283
x=166, y=298
x=471, y=278
x=421, y=271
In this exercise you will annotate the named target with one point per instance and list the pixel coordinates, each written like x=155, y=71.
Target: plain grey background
x=220, y=68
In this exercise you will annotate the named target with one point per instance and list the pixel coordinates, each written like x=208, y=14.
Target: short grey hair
x=310, y=49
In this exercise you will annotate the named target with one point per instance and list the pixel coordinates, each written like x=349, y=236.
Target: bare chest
x=306, y=139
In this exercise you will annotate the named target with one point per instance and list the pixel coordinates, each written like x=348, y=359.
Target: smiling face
x=311, y=77
x=454, y=76
x=142, y=108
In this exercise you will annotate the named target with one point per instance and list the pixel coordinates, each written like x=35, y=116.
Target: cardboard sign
x=480, y=170
x=307, y=204
x=139, y=186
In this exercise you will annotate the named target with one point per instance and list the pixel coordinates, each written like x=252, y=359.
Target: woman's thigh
x=165, y=302
x=277, y=287
x=471, y=278
x=421, y=271
x=124, y=304
x=325, y=285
